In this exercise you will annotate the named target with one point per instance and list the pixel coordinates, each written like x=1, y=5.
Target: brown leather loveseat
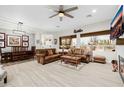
x=84, y=53
x=45, y=56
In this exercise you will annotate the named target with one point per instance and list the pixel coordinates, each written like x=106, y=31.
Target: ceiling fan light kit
x=61, y=12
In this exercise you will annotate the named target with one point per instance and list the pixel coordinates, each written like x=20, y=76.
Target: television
x=117, y=24
x=121, y=67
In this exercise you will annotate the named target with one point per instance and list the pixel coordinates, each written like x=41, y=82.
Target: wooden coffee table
x=71, y=59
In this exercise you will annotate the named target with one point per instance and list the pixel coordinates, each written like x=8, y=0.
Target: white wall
x=35, y=34
x=40, y=40
x=7, y=27
x=120, y=49
x=37, y=40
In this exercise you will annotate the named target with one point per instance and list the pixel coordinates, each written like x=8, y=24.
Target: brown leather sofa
x=45, y=56
x=85, y=54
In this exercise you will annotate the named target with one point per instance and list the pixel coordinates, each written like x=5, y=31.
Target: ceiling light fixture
x=19, y=29
x=61, y=14
x=94, y=10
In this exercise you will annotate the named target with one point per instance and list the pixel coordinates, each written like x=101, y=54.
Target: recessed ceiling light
x=94, y=10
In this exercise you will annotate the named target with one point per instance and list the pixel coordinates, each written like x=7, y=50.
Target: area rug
x=70, y=66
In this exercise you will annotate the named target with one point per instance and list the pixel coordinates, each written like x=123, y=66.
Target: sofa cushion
x=41, y=51
x=82, y=51
x=56, y=55
x=70, y=52
x=52, y=56
x=48, y=57
x=54, y=51
x=82, y=56
x=78, y=51
x=50, y=52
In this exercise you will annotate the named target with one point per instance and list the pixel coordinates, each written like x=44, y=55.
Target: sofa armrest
x=40, y=58
x=40, y=55
x=56, y=53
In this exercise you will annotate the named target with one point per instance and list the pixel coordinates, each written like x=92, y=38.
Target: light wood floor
x=32, y=74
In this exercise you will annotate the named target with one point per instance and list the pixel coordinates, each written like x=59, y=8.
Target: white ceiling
x=38, y=16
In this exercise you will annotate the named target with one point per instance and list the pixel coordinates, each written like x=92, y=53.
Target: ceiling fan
x=61, y=12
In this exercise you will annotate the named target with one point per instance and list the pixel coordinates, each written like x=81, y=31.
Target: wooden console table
x=16, y=56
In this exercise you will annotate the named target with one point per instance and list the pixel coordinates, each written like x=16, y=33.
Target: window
x=101, y=43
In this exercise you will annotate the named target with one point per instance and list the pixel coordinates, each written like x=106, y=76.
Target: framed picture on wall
x=13, y=40
x=55, y=41
x=37, y=41
x=2, y=44
x=68, y=41
x=25, y=38
x=63, y=41
x=2, y=36
x=25, y=44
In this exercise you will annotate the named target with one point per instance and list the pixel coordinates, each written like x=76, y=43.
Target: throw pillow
x=78, y=51
x=50, y=52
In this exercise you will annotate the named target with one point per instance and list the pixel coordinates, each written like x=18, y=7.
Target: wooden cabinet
x=16, y=56
x=6, y=57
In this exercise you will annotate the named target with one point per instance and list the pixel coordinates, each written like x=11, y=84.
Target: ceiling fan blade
x=68, y=15
x=53, y=15
x=61, y=7
x=60, y=18
x=71, y=9
x=54, y=10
